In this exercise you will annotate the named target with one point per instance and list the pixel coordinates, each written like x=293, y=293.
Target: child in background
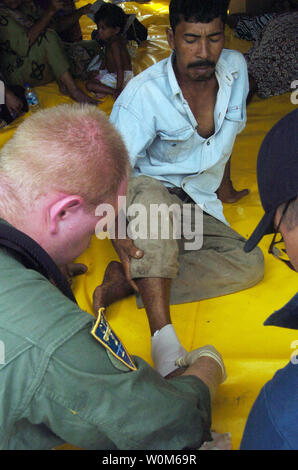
x=115, y=69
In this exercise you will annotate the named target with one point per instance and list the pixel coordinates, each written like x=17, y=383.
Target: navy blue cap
x=277, y=173
x=286, y=317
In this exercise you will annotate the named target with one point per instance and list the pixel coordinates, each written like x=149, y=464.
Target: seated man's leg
x=226, y=191
x=220, y=267
x=153, y=273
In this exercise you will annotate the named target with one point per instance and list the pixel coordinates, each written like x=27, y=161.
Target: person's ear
x=170, y=37
x=63, y=211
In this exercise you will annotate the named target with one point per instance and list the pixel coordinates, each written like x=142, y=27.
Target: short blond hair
x=72, y=149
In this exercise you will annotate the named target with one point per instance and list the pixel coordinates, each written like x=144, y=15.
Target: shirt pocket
x=233, y=123
x=172, y=146
x=234, y=113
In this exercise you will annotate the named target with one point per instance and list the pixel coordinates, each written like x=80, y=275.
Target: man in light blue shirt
x=179, y=120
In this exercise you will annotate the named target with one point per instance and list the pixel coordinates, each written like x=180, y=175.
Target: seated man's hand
x=126, y=250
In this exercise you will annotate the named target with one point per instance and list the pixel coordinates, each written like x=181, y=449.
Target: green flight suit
x=58, y=384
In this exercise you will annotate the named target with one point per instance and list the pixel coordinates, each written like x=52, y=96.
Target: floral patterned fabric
x=47, y=58
x=272, y=61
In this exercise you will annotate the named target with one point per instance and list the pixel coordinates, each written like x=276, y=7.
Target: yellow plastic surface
x=233, y=323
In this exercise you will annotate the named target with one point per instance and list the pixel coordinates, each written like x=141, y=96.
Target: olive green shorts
x=219, y=267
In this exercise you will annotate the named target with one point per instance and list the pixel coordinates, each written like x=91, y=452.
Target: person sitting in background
x=68, y=18
x=31, y=51
x=273, y=421
x=272, y=59
x=115, y=69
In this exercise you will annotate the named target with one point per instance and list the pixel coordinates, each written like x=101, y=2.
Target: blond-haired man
x=59, y=382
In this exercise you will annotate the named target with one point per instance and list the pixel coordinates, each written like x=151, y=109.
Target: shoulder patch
x=104, y=334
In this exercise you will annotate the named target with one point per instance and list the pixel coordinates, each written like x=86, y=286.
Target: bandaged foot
x=219, y=442
x=165, y=349
x=209, y=351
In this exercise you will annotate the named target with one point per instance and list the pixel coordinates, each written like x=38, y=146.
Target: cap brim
x=265, y=226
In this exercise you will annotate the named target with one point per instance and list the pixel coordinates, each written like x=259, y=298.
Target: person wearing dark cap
x=273, y=420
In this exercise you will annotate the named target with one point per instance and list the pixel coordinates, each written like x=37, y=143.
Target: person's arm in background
x=65, y=22
x=43, y=22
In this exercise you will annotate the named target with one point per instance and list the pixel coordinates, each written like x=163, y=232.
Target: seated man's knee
x=146, y=190
x=255, y=266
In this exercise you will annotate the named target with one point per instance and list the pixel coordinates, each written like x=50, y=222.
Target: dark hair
x=197, y=11
x=112, y=16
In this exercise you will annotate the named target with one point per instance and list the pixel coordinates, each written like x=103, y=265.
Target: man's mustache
x=201, y=63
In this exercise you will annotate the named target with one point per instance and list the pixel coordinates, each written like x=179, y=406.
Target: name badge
x=103, y=333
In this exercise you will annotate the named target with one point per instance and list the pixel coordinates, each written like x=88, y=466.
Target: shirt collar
x=287, y=316
x=225, y=73
x=176, y=90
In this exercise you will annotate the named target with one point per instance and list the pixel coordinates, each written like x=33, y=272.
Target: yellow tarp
x=233, y=323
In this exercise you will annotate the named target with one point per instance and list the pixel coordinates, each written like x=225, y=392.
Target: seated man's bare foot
x=114, y=287
x=227, y=193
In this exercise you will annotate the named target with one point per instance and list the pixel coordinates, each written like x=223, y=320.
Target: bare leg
x=165, y=345
x=226, y=191
x=68, y=86
x=155, y=293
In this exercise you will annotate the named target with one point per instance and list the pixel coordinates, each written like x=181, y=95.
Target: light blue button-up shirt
x=160, y=130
